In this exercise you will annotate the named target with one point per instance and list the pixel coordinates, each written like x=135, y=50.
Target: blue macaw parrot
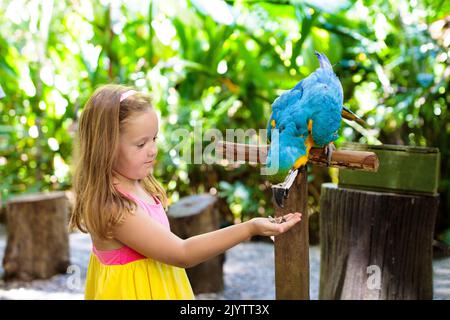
x=309, y=114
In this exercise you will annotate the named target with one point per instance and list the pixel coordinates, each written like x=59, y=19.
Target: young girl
x=121, y=205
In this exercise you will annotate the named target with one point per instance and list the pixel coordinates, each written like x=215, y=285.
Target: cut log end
x=191, y=205
x=38, y=197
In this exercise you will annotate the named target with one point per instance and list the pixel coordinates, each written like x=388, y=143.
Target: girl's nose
x=153, y=150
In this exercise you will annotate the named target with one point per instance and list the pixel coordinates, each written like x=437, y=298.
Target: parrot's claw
x=329, y=149
x=280, y=191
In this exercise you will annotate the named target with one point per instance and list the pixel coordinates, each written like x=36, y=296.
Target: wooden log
x=195, y=215
x=403, y=169
x=376, y=245
x=37, y=242
x=292, y=247
x=349, y=159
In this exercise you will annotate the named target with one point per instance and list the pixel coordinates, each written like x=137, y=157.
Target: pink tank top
x=125, y=254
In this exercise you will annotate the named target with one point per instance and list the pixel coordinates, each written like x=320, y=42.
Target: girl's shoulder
x=139, y=194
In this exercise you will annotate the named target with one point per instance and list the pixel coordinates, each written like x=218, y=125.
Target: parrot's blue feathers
x=299, y=86
x=317, y=98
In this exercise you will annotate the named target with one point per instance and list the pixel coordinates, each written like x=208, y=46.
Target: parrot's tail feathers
x=361, y=122
x=323, y=60
x=350, y=115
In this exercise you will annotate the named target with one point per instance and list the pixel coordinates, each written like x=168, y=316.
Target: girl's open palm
x=273, y=227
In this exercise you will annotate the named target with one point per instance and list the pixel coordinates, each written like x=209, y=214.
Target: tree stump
x=195, y=215
x=376, y=245
x=38, y=243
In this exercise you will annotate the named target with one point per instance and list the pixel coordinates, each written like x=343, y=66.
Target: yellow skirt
x=143, y=279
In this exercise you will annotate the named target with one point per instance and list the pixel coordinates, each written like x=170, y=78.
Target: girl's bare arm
x=148, y=237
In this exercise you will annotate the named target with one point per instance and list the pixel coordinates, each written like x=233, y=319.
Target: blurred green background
x=219, y=64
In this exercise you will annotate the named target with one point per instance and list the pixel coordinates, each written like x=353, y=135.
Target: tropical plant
x=216, y=64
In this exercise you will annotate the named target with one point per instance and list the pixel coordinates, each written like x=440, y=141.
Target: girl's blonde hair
x=99, y=207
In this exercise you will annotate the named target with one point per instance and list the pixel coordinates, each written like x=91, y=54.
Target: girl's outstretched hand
x=272, y=227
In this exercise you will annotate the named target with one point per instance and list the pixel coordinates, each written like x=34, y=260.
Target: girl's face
x=137, y=146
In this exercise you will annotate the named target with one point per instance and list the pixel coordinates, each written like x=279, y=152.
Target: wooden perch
x=348, y=159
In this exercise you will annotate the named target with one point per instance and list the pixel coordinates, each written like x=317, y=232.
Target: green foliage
x=215, y=68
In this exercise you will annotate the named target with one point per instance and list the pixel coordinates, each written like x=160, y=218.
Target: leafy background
x=218, y=64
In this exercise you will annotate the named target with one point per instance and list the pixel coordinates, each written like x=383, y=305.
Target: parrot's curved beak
x=349, y=115
x=280, y=191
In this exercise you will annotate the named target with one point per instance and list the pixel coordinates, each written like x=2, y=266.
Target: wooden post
x=292, y=248
x=38, y=239
x=376, y=245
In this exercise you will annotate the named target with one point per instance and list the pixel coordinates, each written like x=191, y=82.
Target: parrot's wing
x=299, y=87
x=289, y=98
x=349, y=115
